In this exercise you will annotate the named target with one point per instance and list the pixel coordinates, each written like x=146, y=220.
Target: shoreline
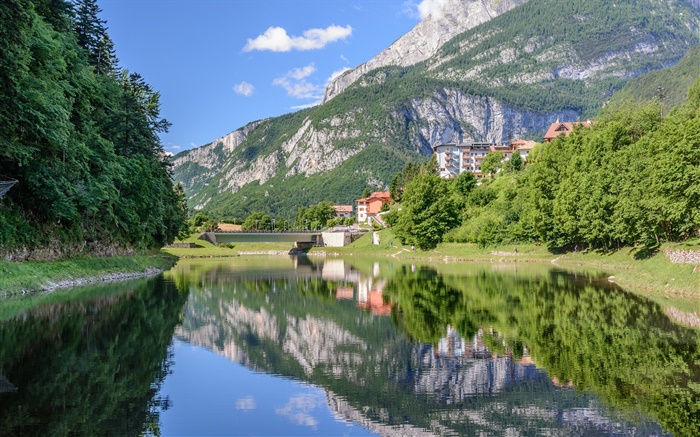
x=668, y=285
x=33, y=277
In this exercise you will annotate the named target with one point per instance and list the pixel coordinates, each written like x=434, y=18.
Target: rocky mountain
x=485, y=71
x=424, y=40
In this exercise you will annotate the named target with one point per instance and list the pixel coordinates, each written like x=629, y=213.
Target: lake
x=308, y=346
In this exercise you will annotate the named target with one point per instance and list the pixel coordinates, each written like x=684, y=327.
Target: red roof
x=342, y=208
x=378, y=195
x=558, y=128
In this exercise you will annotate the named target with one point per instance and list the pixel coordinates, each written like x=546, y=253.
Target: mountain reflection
x=405, y=349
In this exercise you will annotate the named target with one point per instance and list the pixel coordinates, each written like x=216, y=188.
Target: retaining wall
x=678, y=256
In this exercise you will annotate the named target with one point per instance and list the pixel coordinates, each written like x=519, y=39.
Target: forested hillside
x=669, y=85
x=630, y=179
x=509, y=77
x=80, y=135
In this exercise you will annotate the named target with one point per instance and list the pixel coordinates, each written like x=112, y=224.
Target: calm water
x=286, y=346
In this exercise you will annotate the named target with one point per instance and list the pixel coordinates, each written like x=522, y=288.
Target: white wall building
x=455, y=158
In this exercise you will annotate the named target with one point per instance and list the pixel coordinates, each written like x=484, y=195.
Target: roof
x=463, y=145
x=566, y=127
x=523, y=144
x=342, y=208
x=377, y=195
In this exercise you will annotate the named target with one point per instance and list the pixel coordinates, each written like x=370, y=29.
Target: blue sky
x=220, y=64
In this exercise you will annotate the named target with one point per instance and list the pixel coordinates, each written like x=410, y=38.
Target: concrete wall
x=339, y=239
x=336, y=239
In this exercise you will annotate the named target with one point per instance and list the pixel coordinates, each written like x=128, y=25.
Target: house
x=370, y=206
x=344, y=293
x=523, y=147
x=342, y=211
x=563, y=128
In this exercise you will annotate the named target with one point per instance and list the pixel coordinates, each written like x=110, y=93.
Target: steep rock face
x=424, y=40
x=309, y=151
x=453, y=116
x=209, y=159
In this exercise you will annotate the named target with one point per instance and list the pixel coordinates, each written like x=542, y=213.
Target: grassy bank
x=651, y=275
x=204, y=249
x=18, y=277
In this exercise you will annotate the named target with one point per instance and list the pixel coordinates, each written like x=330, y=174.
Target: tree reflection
x=91, y=366
x=601, y=338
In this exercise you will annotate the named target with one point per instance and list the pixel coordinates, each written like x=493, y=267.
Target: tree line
x=80, y=135
x=631, y=179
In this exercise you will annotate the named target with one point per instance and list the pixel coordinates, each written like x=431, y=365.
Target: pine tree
x=93, y=37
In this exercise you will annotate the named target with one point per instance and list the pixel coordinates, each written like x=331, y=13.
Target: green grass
x=29, y=276
x=205, y=249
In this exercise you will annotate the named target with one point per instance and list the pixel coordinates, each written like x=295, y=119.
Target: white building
x=455, y=158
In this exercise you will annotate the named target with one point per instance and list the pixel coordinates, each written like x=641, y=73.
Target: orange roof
x=378, y=195
x=558, y=128
x=342, y=208
x=523, y=144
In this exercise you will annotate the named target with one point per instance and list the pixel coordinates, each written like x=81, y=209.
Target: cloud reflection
x=299, y=408
x=246, y=404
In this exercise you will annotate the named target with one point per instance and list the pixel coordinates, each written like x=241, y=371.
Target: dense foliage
x=80, y=135
x=630, y=179
x=669, y=86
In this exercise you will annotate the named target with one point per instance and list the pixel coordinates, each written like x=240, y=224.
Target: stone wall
x=683, y=256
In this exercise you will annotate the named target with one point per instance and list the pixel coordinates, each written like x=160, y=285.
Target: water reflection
x=89, y=363
x=410, y=349
x=294, y=346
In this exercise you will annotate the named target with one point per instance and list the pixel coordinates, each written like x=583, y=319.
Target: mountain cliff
x=424, y=40
x=485, y=71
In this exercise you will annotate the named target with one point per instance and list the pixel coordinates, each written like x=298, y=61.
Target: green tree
x=492, y=162
x=465, y=183
x=257, y=221
x=428, y=212
x=516, y=161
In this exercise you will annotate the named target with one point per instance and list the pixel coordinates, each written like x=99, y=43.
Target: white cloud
x=244, y=89
x=436, y=8
x=306, y=106
x=276, y=39
x=303, y=72
x=296, y=85
x=300, y=89
x=336, y=74
x=246, y=404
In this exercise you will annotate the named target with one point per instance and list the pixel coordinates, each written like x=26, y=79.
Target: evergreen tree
x=93, y=37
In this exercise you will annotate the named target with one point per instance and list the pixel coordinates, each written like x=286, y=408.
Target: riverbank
x=652, y=275
x=37, y=276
